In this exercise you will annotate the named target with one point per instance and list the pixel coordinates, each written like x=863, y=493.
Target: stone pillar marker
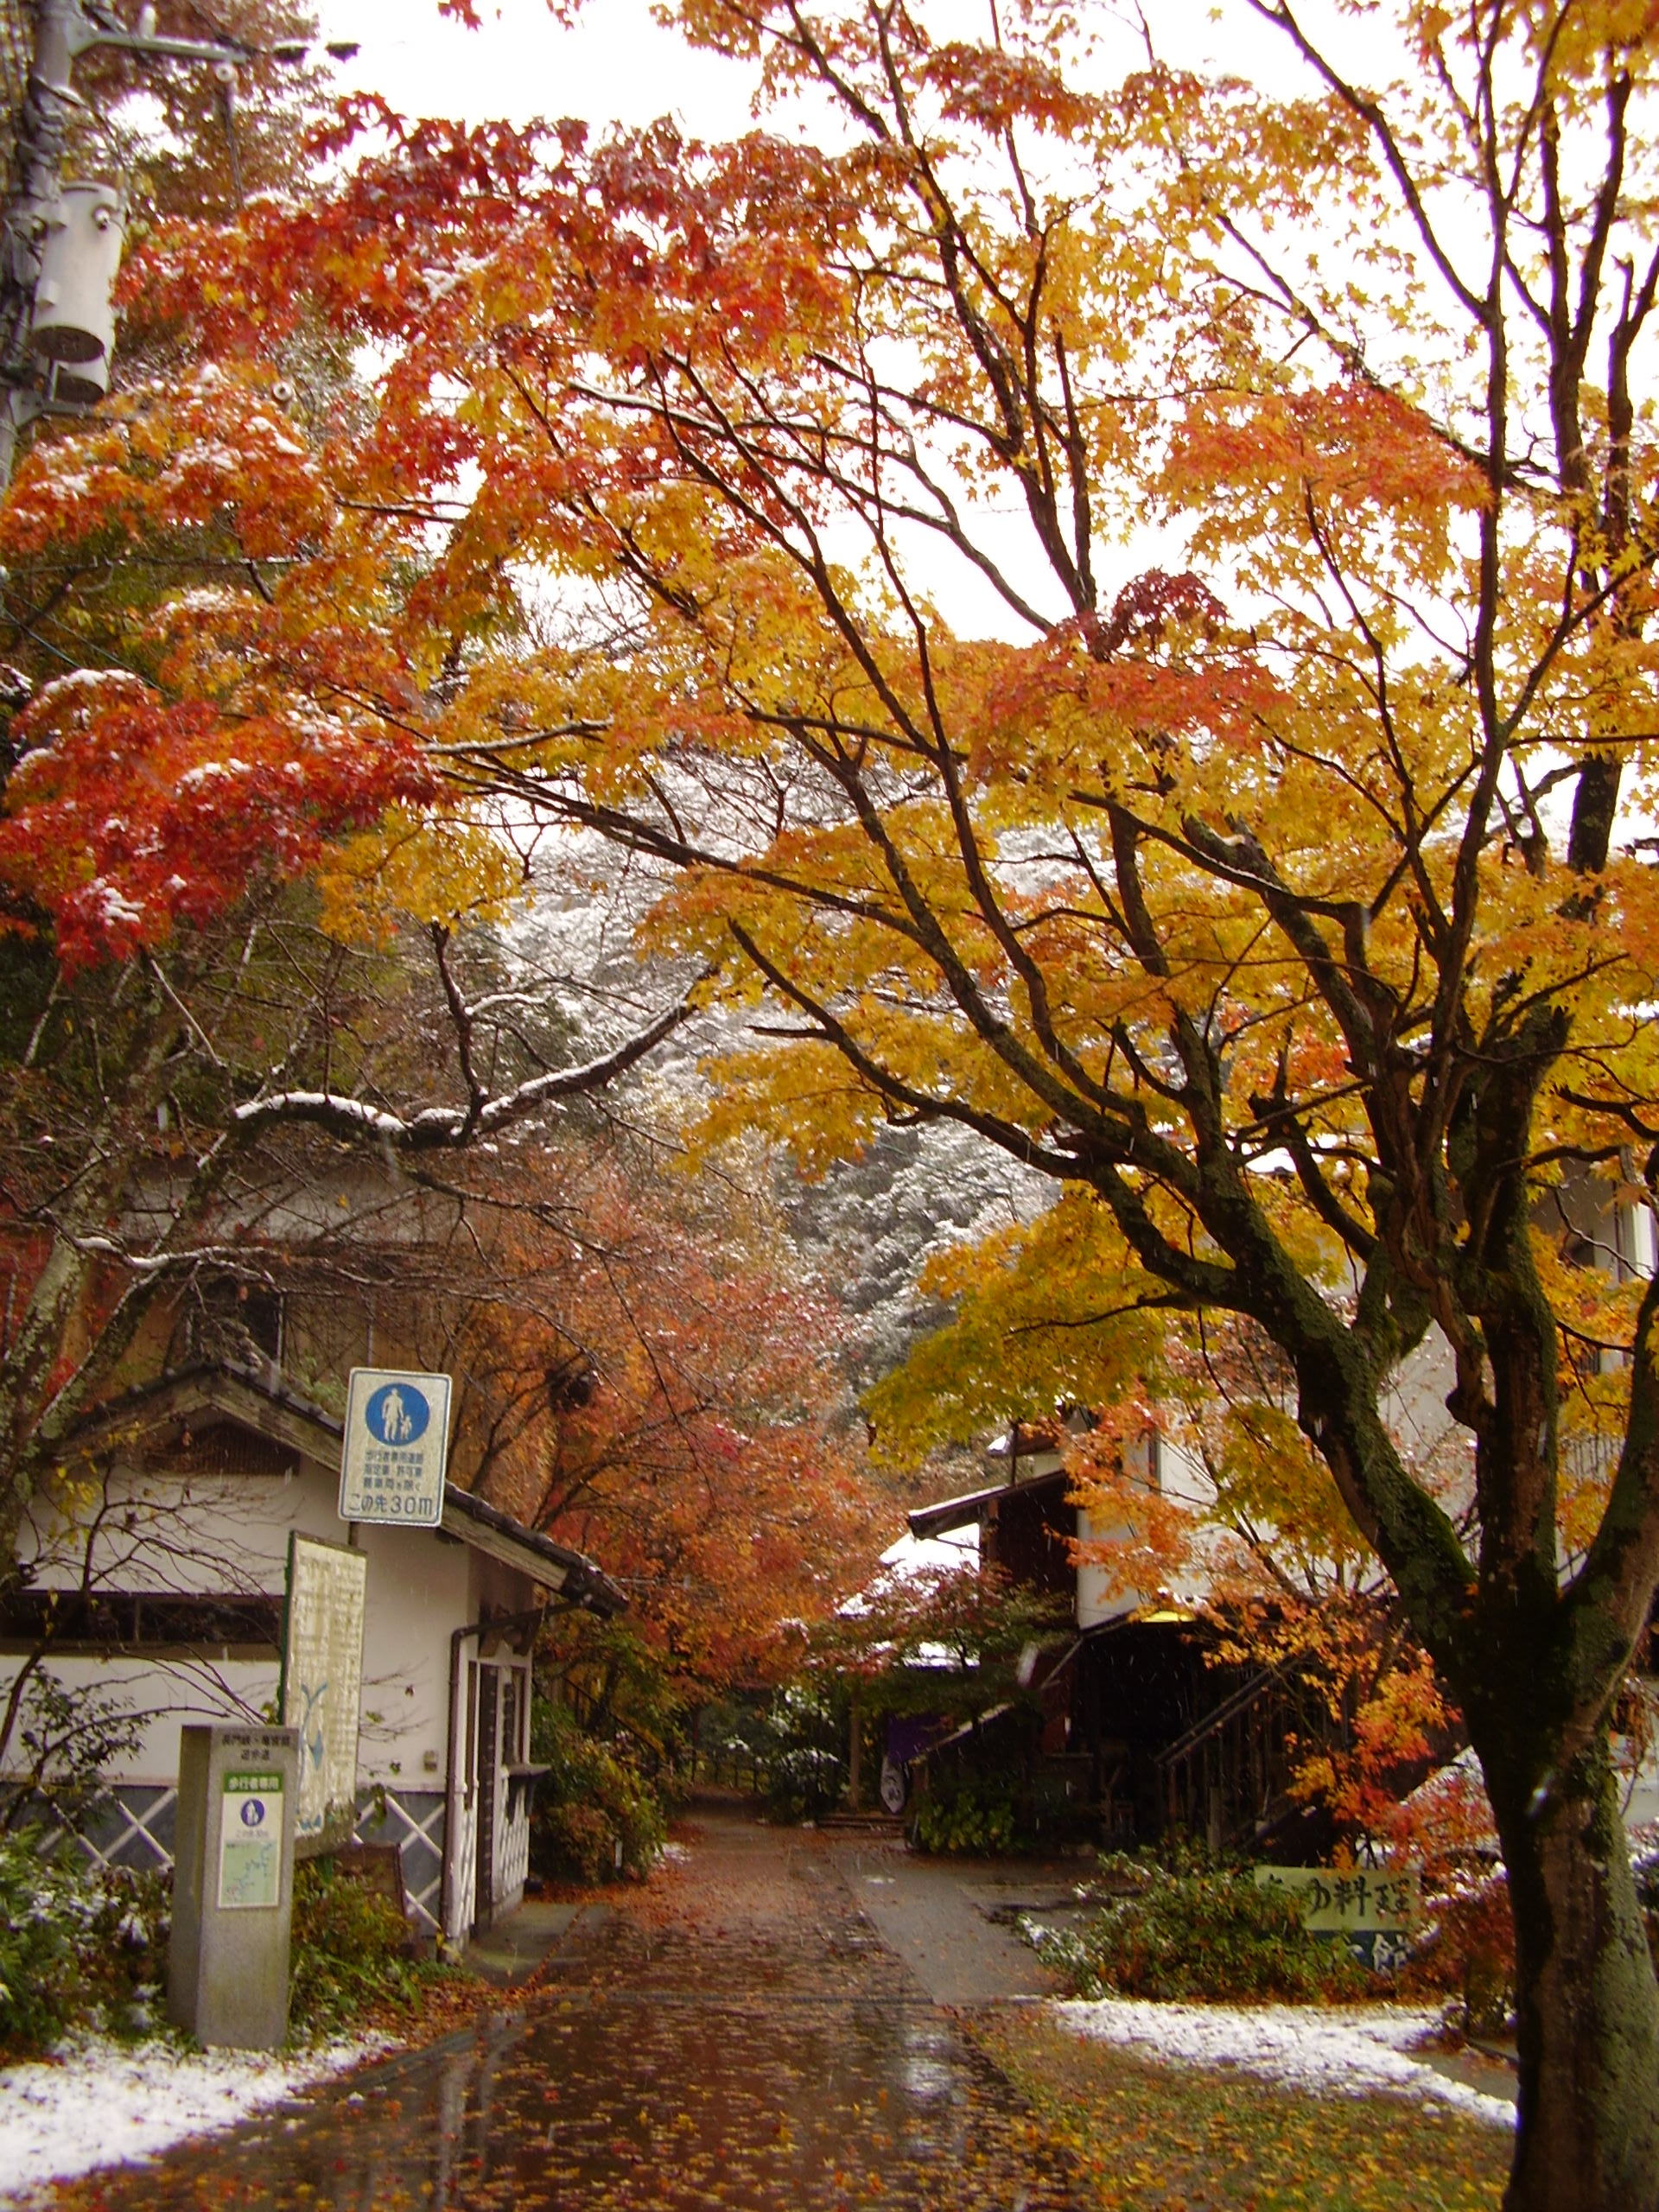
x=233, y=1885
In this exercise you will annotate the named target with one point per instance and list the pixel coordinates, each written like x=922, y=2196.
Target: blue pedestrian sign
x=392, y=1469
x=398, y=1413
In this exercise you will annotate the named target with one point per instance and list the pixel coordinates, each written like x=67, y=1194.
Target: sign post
x=322, y=1685
x=232, y=1886
x=392, y=1467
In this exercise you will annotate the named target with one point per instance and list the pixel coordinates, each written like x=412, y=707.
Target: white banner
x=322, y=1685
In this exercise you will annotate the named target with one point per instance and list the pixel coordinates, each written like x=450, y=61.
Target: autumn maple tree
x=1285, y=903
x=642, y=1373
x=245, y=923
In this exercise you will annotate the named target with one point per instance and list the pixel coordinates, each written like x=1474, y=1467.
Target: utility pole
x=60, y=244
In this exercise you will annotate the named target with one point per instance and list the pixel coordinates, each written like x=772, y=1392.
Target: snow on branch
x=435, y=1128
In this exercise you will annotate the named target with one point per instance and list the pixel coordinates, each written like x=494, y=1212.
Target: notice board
x=322, y=1685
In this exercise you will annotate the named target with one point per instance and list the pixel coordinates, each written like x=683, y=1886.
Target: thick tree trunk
x=1587, y=2005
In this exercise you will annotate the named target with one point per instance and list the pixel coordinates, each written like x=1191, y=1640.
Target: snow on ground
x=1345, y=2051
x=102, y=2104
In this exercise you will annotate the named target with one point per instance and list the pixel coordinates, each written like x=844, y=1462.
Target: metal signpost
x=322, y=1685
x=396, y=1443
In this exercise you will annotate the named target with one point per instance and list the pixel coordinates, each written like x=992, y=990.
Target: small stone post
x=233, y=1885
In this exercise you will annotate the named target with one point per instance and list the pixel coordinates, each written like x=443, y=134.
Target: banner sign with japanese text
x=1376, y=1908
x=323, y=1686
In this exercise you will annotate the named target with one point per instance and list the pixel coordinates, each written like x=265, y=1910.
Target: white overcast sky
x=615, y=65
x=618, y=64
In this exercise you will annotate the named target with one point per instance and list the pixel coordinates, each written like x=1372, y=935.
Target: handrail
x=1245, y=1695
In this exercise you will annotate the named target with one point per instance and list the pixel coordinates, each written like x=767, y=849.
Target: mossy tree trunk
x=1587, y=2008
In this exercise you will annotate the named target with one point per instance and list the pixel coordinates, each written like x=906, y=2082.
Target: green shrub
x=596, y=1812
x=1195, y=1931
x=801, y=1745
x=349, y=1950
x=976, y=1817
x=80, y=1946
x=36, y=1946
x=121, y=1955
x=578, y=1842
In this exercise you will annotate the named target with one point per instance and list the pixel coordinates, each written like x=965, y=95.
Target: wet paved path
x=740, y=2037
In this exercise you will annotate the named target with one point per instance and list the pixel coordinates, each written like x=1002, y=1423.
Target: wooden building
x=1138, y=1731
x=153, y=1589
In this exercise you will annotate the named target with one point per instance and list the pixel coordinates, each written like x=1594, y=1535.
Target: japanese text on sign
x=251, y=1842
x=322, y=1686
x=1376, y=1909
x=392, y=1464
x=1336, y=1901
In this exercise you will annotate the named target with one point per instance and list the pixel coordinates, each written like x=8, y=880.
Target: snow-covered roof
x=906, y=1560
x=912, y=1556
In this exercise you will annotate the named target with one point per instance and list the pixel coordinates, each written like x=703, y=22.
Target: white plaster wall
x=1183, y=1478
x=170, y=1692
x=1098, y=1599
x=1180, y=1476
x=155, y=1531
x=1413, y=1406
x=158, y=1533
x=229, y=1533
x=419, y=1590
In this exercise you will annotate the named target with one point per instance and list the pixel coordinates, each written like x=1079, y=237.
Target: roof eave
x=958, y=1512
x=304, y=1427
x=575, y=1578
